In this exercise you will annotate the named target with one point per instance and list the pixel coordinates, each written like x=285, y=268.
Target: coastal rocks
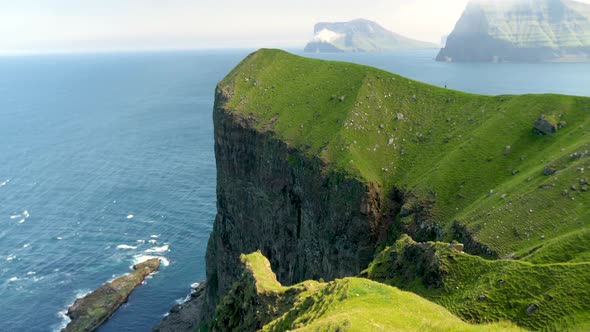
x=89, y=312
x=186, y=316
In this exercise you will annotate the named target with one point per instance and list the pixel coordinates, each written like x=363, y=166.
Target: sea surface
x=106, y=159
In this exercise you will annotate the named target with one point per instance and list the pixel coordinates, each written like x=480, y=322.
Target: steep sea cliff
x=324, y=167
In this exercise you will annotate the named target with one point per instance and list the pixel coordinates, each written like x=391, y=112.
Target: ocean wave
x=10, y=258
x=13, y=279
x=3, y=183
x=63, y=314
x=21, y=221
x=130, y=216
x=142, y=258
x=163, y=248
x=140, y=241
x=26, y=245
x=152, y=241
x=155, y=236
x=195, y=285
x=26, y=214
x=184, y=300
x=14, y=216
x=125, y=246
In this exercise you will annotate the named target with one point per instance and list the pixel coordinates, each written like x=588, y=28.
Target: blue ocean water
x=106, y=159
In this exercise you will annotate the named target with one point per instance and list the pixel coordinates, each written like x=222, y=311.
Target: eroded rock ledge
x=89, y=312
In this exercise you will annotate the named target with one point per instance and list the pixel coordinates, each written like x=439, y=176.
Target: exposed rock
x=89, y=312
x=187, y=316
x=399, y=116
x=549, y=170
x=531, y=309
x=545, y=125
x=457, y=246
x=316, y=224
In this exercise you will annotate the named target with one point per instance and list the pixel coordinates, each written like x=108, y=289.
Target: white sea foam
x=59, y=238
x=195, y=285
x=130, y=216
x=65, y=320
x=13, y=279
x=140, y=241
x=183, y=300
x=3, y=183
x=155, y=236
x=163, y=248
x=26, y=245
x=30, y=273
x=14, y=216
x=153, y=241
x=10, y=258
x=142, y=258
x=125, y=246
x=26, y=214
x=21, y=221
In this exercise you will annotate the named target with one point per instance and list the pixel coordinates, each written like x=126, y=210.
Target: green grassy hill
x=449, y=166
x=548, y=297
x=351, y=304
x=467, y=159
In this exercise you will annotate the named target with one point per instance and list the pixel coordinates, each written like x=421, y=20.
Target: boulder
x=545, y=125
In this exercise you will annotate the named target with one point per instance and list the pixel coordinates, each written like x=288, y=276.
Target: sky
x=101, y=25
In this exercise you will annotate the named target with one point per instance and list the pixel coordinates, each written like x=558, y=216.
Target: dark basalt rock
x=89, y=312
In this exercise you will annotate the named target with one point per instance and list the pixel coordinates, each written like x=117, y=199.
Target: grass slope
x=476, y=157
x=479, y=290
x=351, y=304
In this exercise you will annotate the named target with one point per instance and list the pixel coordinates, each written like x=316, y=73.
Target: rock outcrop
x=520, y=30
x=270, y=197
x=89, y=312
x=358, y=36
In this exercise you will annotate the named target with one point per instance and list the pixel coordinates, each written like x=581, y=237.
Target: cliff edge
x=520, y=30
x=321, y=165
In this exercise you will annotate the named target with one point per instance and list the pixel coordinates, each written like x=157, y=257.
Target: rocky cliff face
x=358, y=36
x=309, y=223
x=520, y=30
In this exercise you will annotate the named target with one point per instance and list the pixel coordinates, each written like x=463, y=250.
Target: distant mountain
x=359, y=36
x=520, y=30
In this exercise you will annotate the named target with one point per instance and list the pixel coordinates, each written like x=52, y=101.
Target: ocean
x=106, y=159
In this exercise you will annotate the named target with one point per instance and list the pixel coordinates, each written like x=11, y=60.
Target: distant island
x=359, y=36
x=520, y=31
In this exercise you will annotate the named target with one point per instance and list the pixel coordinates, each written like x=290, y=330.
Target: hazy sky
x=45, y=25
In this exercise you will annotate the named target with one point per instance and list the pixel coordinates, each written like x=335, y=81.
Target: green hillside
x=469, y=160
x=548, y=297
x=351, y=304
x=449, y=166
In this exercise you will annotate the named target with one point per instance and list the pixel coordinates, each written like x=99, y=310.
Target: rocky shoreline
x=89, y=312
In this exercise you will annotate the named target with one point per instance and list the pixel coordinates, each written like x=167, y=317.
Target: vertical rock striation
x=309, y=223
